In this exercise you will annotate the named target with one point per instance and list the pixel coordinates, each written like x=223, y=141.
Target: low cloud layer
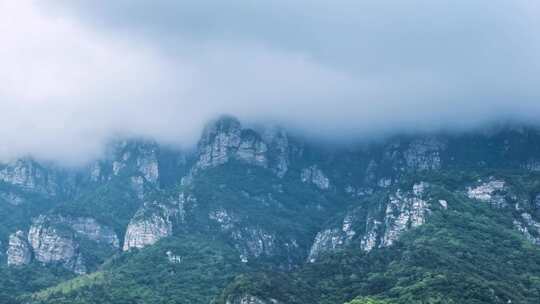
x=76, y=74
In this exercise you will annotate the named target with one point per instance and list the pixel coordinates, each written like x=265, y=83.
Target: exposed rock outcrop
x=420, y=154
x=151, y=223
x=529, y=228
x=173, y=258
x=134, y=158
x=403, y=210
x=315, y=176
x=185, y=203
x=91, y=229
x=223, y=218
x=30, y=176
x=52, y=244
x=332, y=239
x=19, y=251
x=491, y=191
x=424, y=154
x=371, y=237
x=326, y=241
x=254, y=243
x=147, y=163
x=55, y=239
x=226, y=140
x=250, y=299
x=278, y=148
x=358, y=192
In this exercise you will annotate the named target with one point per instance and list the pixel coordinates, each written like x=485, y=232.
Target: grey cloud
x=79, y=73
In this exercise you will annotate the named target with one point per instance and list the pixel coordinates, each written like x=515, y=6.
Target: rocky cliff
x=249, y=299
x=56, y=239
x=374, y=169
x=28, y=175
x=19, y=251
x=152, y=222
x=52, y=244
x=402, y=209
x=273, y=199
x=226, y=140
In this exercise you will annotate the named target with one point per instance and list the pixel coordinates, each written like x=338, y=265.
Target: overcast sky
x=75, y=74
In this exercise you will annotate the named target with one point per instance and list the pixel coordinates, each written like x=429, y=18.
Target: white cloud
x=76, y=74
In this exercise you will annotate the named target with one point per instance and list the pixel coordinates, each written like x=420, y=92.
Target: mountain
x=257, y=216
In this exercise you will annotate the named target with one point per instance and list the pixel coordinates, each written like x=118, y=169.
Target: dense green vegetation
x=260, y=199
x=466, y=254
x=112, y=204
x=16, y=216
x=147, y=276
x=22, y=280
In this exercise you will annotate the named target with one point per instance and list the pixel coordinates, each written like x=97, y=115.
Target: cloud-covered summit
x=77, y=73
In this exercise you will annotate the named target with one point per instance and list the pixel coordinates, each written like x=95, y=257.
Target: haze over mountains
x=269, y=152
x=260, y=216
x=77, y=74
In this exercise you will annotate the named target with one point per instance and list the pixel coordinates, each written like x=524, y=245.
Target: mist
x=77, y=74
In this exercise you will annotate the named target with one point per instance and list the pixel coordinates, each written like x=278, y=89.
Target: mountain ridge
x=278, y=203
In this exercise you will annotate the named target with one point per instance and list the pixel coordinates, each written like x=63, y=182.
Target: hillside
x=257, y=216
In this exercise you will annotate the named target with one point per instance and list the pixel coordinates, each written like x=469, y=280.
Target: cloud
x=76, y=74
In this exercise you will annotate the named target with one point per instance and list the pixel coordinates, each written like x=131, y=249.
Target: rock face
x=420, y=154
x=326, y=241
x=332, y=239
x=250, y=242
x=500, y=195
x=403, y=210
x=151, y=223
x=315, y=176
x=19, y=251
x=254, y=243
x=424, y=154
x=225, y=220
x=492, y=191
x=132, y=158
x=250, y=299
x=173, y=258
x=252, y=150
x=54, y=245
x=278, y=150
x=30, y=176
x=91, y=229
x=147, y=163
x=55, y=239
x=226, y=140
x=529, y=228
